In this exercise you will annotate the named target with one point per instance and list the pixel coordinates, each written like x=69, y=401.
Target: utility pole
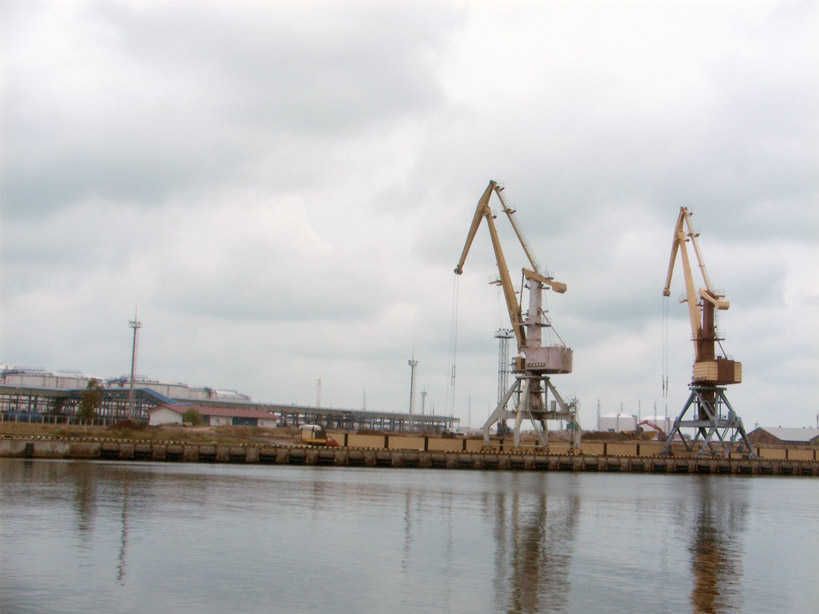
x=412, y=363
x=136, y=325
x=423, y=401
x=318, y=393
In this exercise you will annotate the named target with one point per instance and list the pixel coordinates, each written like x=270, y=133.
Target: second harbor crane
x=535, y=362
x=716, y=423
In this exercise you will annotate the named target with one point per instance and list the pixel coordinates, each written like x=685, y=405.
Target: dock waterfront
x=779, y=463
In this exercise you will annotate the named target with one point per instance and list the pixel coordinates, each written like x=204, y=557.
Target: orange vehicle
x=315, y=435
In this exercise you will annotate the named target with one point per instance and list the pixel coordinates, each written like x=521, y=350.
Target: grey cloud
x=142, y=108
x=286, y=187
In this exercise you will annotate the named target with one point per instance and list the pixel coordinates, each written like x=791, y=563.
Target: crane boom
x=554, y=359
x=483, y=211
x=510, y=213
x=678, y=245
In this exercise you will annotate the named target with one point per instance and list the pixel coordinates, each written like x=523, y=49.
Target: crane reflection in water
x=534, y=538
x=716, y=552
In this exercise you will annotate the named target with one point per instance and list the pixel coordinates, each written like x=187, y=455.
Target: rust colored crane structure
x=535, y=361
x=717, y=426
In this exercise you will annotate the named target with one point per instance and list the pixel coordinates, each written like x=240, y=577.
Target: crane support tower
x=716, y=424
x=535, y=361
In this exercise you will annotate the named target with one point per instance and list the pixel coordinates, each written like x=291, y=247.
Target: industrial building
x=36, y=395
x=39, y=378
x=215, y=416
x=618, y=423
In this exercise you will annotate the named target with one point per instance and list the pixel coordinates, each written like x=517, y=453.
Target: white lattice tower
x=503, y=335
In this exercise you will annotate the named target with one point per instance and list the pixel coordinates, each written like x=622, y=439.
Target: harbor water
x=96, y=536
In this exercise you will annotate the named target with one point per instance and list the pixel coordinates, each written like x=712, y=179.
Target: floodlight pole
x=136, y=325
x=412, y=363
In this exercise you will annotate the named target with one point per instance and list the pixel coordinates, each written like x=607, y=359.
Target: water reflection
x=400, y=541
x=716, y=550
x=123, y=537
x=85, y=497
x=534, y=536
x=408, y=539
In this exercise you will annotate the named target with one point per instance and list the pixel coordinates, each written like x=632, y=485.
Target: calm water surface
x=154, y=538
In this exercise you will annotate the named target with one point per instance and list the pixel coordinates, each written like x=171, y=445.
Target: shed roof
x=227, y=412
x=803, y=435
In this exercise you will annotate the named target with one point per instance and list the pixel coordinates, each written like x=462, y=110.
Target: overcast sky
x=283, y=189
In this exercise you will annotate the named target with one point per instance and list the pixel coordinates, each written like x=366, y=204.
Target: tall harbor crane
x=714, y=420
x=535, y=361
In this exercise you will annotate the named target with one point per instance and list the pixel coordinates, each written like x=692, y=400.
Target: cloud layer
x=284, y=189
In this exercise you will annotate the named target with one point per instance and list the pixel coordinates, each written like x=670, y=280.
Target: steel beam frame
x=531, y=391
x=717, y=426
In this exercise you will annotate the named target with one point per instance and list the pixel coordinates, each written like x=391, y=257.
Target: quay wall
x=614, y=457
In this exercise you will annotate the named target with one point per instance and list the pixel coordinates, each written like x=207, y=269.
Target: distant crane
x=535, y=362
x=715, y=421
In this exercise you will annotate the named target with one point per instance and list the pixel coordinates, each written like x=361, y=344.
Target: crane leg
x=500, y=413
x=717, y=434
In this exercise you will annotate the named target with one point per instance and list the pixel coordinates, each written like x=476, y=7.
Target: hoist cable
x=453, y=346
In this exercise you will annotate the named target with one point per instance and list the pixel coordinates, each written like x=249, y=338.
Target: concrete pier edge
x=517, y=460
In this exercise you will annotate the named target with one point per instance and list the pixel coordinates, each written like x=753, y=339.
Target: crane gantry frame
x=532, y=368
x=715, y=422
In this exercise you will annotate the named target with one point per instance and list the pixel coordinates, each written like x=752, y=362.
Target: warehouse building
x=168, y=413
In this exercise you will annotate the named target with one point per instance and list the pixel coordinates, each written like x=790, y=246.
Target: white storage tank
x=618, y=423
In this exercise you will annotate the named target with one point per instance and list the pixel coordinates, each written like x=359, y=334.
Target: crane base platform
x=716, y=425
x=531, y=392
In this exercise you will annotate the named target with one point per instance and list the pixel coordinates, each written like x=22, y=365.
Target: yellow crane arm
x=484, y=211
x=678, y=245
x=557, y=286
x=674, y=249
x=534, y=272
x=510, y=213
x=684, y=232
